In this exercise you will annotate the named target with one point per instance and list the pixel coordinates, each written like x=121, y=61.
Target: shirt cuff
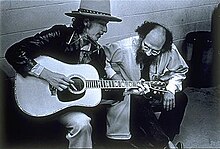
x=171, y=87
x=37, y=70
x=110, y=72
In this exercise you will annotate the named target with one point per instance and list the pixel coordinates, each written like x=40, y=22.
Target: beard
x=141, y=57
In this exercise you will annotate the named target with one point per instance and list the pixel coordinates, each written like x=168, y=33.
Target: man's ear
x=86, y=22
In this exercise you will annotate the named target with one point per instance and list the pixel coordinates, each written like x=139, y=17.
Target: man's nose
x=104, y=29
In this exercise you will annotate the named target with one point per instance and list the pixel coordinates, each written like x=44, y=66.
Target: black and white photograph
x=110, y=74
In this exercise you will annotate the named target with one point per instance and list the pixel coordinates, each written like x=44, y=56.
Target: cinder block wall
x=20, y=19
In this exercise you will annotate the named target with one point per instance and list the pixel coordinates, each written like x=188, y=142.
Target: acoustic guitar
x=36, y=97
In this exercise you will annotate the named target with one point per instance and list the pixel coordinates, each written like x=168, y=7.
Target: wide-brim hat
x=99, y=9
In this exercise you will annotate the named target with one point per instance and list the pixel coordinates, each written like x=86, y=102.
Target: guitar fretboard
x=113, y=84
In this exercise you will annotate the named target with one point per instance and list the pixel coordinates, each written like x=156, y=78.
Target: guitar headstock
x=157, y=86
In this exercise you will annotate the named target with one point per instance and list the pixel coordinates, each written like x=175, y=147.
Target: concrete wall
x=20, y=19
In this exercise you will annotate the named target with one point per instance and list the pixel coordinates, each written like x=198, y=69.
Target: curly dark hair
x=78, y=23
x=142, y=31
x=146, y=27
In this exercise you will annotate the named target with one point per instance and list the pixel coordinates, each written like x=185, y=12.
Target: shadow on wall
x=201, y=51
x=216, y=42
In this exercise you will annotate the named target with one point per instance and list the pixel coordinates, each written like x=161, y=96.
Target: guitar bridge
x=53, y=90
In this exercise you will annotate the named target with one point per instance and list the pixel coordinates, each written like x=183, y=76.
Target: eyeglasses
x=148, y=49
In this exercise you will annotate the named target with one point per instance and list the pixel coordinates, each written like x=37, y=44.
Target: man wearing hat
x=76, y=45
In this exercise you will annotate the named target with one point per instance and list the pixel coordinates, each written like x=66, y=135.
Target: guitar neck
x=112, y=84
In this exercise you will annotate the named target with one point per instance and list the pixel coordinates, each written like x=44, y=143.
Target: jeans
x=158, y=131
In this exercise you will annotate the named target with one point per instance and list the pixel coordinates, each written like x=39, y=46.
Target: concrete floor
x=201, y=124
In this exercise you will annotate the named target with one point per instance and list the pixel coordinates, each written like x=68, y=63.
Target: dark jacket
x=54, y=43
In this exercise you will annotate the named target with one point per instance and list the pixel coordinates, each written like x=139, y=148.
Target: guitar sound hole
x=67, y=95
x=78, y=84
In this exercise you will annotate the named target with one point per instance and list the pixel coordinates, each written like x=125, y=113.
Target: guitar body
x=36, y=97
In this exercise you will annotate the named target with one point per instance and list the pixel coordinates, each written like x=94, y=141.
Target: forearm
x=117, y=77
x=175, y=83
x=177, y=71
x=111, y=74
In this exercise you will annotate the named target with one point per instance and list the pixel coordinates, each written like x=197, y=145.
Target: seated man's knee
x=77, y=122
x=82, y=125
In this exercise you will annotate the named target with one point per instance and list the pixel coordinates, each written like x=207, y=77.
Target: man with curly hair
x=76, y=44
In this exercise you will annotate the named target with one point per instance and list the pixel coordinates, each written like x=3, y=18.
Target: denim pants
x=158, y=131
